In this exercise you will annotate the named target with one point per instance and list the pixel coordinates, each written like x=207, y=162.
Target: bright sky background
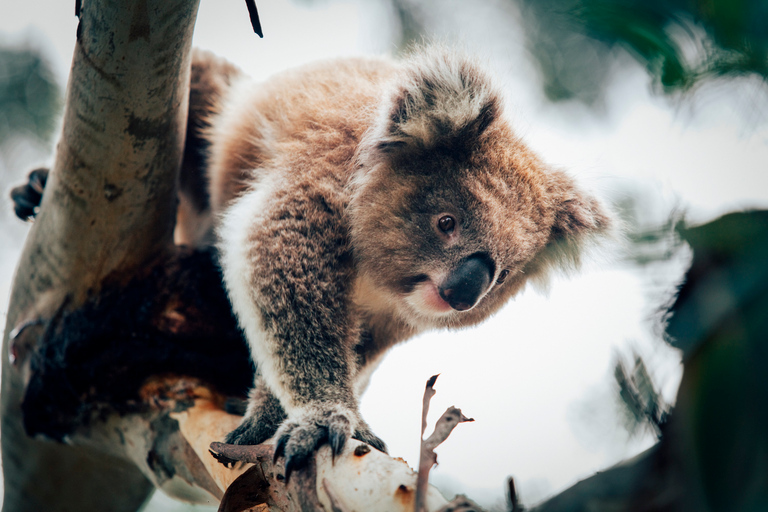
x=537, y=378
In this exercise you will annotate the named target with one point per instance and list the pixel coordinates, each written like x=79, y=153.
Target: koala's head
x=451, y=213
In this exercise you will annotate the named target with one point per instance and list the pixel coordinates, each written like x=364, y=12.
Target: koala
x=356, y=203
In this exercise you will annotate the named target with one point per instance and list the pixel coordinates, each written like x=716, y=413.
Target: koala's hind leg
x=210, y=79
x=27, y=197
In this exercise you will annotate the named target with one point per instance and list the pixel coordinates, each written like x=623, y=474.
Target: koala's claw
x=337, y=440
x=260, y=423
x=298, y=440
x=297, y=443
x=369, y=438
x=251, y=431
x=279, y=448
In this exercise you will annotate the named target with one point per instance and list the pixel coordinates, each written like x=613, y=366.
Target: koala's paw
x=299, y=438
x=263, y=415
x=251, y=431
x=26, y=198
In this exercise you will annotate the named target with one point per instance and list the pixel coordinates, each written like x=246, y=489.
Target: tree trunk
x=109, y=208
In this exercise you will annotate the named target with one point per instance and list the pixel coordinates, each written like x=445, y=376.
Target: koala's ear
x=579, y=214
x=441, y=100
x=578, y=218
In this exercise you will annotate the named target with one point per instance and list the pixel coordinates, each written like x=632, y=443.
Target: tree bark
x=109, y=208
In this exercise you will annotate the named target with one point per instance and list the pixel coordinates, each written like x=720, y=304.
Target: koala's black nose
x=467, y=283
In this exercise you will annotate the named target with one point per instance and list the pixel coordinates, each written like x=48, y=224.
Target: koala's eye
x=502, y=276
x=447, y=224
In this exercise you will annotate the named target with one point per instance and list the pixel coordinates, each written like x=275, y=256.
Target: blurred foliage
x=643, y=404
x=29, y=95
x=572, y=64
x=650, y=238
x=727, y=282
x=720, y=322
x=713, y=445
x=681, y=42
x=576, y=43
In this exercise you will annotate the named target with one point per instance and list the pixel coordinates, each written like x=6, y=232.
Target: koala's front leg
x=288, y=270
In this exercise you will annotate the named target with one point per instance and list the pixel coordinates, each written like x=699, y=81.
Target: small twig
x=231, y=453
x=429, y=392
x=513, y=501
x=254, y=15
x=443, y=428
